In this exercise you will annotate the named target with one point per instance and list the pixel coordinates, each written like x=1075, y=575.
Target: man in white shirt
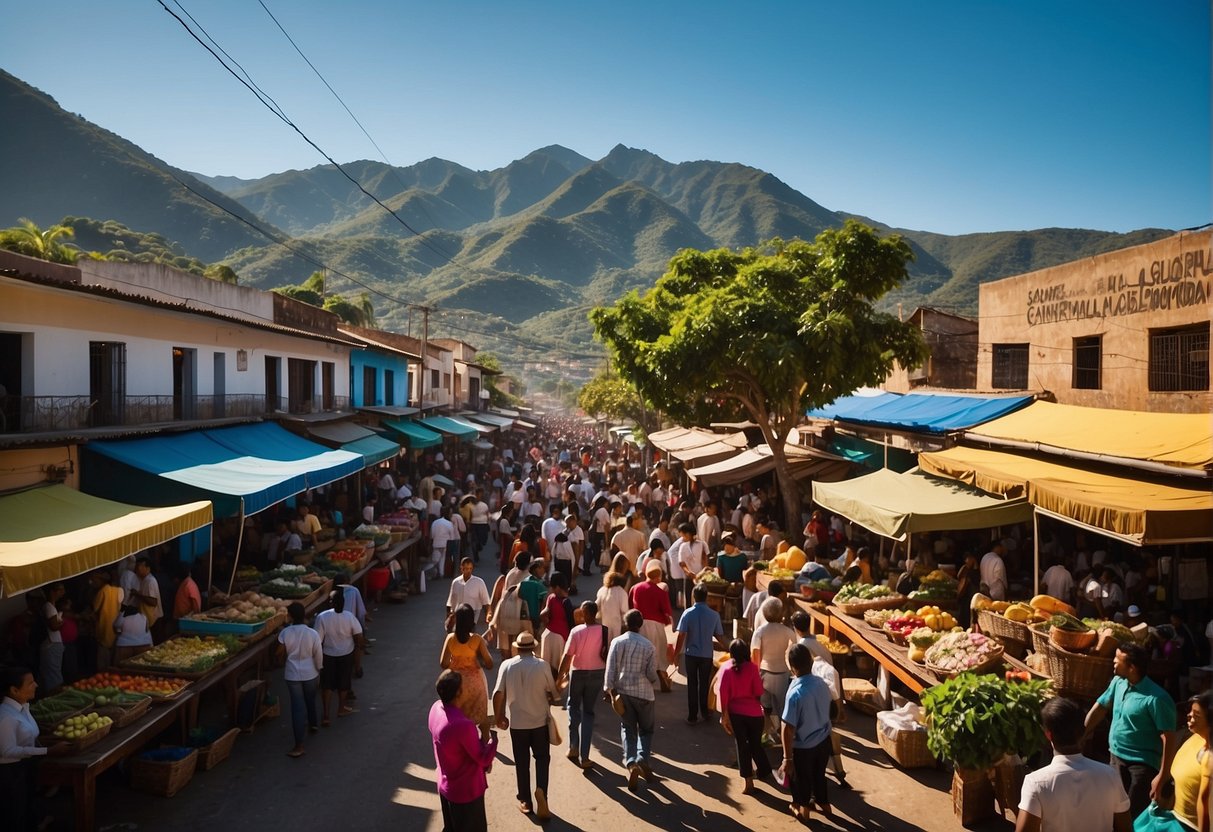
x=1058, y=582
x=708, y=526
x=442, y=532
x=479, y=525
x=687, y=558
x=149, y=592
x=994, y=572
x=576, y=538
x=1071, y=792
x=552, y=526
x=628, y=540
x=303, y=656
x=340, y=635
x=467, y=589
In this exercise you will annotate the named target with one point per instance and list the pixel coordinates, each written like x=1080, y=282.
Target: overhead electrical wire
x=267, y=101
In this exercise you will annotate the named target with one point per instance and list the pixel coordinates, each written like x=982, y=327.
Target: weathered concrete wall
x=1120, y=296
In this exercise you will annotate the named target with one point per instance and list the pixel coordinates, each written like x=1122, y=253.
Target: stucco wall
x=1120, y=296
x=398, y=364
x=22, y=467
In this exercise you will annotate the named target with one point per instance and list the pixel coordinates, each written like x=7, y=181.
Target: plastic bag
x=1157, y=819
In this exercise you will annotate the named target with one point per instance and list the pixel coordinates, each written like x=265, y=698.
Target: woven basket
x=1014, y=635
x=1082, y=676
x=1072, y=641
x=908, y=748
x=123, y=717
x=87, y=741
x=212, y=755
x=989, y=664
x=1040, y=638
x=163, y=778
x=860, y=607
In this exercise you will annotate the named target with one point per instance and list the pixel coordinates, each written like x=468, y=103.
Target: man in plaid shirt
x=631, y=670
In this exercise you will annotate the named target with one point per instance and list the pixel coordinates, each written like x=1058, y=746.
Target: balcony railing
x=50, y=414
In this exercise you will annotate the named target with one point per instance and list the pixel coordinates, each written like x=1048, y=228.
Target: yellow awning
x=1139, y=510
x=1183, y=440
x=53, y=532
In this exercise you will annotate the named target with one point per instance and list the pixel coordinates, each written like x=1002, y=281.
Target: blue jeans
x=636, y=728
x=585, y=689
x=303, y=707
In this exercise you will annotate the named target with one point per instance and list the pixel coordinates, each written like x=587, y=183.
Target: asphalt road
x=375, y=769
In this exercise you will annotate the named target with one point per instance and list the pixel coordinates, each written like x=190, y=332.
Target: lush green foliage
x=358, y=311
x=43, y=243
x=609, y=395
x=974, y=720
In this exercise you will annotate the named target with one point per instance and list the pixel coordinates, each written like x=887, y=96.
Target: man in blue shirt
x=1142, y=735
x=806, y=735
x=699, y=631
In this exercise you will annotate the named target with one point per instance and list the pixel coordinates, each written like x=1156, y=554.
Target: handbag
x=553, y=730
x=1157, y=819
x=618, y=704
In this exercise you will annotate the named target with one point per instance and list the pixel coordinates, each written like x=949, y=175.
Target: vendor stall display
x=855, y=599
x=52, y=710
x=186, y=655
x=82, y=730
x=153, y=686
x=936, y=586
x=960, y=652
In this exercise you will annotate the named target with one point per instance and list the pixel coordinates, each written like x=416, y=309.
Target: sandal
x=296, y=753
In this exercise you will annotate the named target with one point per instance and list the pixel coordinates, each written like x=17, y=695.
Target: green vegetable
x=1064, y=621
x=973, y=720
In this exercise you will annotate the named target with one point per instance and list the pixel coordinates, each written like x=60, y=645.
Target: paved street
x=375, y=769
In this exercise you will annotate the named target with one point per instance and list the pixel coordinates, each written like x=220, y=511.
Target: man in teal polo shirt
x=1142, y=736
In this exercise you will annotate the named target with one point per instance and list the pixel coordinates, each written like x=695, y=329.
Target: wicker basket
x=163, y=778
x=1073, y=641
x=87, y=741
x=908, y=748
x=989, y=664
x=1085, y=677
x=1014, y=635
x=1040, y=638
x=124, y=716
x=212, y=755
x=860, y=607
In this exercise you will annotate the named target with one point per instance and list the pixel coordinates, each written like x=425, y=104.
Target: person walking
x=302, y=652
x=1142, y=735
x=524, y=692
x=478, y=524
x=463, y=758
x=741, y=713
x=582, y=669
x=465, y=652
x=769, y=646
x=340, y=635
x=1193, y=765
x=653, y=602
x=699, y=633
x=805, y=735
x=1072, y=791
x=467, y=589
x=631, y=670
x=612, y=600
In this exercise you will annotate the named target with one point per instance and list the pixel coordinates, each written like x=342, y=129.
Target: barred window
x=1011, y=366
x=1088, y=359
x=1179, y=359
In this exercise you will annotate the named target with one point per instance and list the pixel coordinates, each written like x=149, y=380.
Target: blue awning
x=920, y=412
x=453, y=427
x=414, y=435
x=257, y=465
x=373, y=449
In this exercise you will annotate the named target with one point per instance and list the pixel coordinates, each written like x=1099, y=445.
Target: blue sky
x=952, y=117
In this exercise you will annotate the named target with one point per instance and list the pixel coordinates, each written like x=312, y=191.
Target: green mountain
x=54, y=164
x=511, y=258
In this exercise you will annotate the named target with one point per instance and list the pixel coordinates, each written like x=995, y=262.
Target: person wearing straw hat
x=525, y=690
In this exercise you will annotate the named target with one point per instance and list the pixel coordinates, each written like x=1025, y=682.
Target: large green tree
x=615, y=398
x=44, y=243
x=764, y=332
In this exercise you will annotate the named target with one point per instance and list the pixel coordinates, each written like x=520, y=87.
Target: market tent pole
x=1035, y=552
x=239, y=545
x=210, y=564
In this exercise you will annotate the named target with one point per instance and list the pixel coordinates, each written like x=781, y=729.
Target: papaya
x=794, y=558
x=1052, y=606
x=1020, y=612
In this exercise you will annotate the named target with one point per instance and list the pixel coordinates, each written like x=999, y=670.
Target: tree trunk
x=789, y=488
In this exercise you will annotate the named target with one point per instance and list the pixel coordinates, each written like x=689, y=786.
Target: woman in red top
x=740, y=703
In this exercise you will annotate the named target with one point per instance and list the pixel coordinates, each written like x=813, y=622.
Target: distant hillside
x=511, y=258
x=55, y=164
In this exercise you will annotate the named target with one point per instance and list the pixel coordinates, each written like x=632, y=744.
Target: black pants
x=564, y=567
x=699, y=680
x=528, y=742
x=747, y=732
x=19, y=795
x=809, y=775
x=1137, y=778
x=464, y=817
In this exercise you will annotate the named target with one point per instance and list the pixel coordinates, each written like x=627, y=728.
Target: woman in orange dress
x=466, y=653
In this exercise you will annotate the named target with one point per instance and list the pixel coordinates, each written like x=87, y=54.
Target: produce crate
x=319, y=593
x=862, y=695
x=907, y=748
x=271, y=626
x=152, y=772
x=125, y=715
x=1014, y=635
x=87, y=741
x=212, y=755
x=858, y=608
x=212, y=627
x=972, y=796
x=1084, y=677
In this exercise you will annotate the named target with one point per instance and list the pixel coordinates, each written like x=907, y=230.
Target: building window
x=1011, y=366
x=1179, y=359
x=1088, y=357
x=327, y=384
x=389, y=387
x=106, y=382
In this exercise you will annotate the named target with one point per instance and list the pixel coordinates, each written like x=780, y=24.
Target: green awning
x=374, y=449
x=897, y=505
x=871, y=454
x=451, y=427
x=415, y=436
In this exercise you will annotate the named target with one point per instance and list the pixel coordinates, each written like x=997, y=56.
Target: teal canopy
x=453, y=427
x=247, y=467
x=414, y=435
x=372, y=449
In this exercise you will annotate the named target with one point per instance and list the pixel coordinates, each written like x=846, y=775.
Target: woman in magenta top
x=463, y=760
x=740, y=703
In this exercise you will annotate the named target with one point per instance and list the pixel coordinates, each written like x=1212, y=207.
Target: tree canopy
x=358, y=311
x=766, y=332
x=43, y=243
x=611, y=396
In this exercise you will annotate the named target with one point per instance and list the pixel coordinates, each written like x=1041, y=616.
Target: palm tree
x=28, y=239
x=366, y=308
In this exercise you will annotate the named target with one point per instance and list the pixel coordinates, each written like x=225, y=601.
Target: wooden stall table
x=890, y=656
x=80, y=771
x=254, y=656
